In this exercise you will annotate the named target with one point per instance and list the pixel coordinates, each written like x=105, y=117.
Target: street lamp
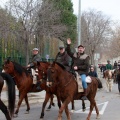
x=79, y=22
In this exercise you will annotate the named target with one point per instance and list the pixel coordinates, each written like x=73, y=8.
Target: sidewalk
x=33, y=98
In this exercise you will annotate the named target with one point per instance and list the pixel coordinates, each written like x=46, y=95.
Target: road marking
x=94, y=112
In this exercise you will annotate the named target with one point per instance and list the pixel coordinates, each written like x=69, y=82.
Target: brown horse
x=11, y=95
x=42, y=74
x=68, y=89
x=23, y=81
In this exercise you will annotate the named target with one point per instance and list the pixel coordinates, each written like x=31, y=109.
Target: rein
x=67, y=83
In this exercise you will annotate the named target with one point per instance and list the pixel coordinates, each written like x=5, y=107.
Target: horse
x=68, y=89
x=23, y=81
x=42, y=75
x=109, y=75
x=11, y=96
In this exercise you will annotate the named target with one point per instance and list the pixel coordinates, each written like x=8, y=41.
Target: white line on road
x=94, y=112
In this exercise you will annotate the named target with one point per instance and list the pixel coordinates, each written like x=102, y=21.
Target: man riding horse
x=80, y=64
x=35, y=58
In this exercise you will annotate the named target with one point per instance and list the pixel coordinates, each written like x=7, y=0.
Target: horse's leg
x=73, y=107
x=67, y=113
x=107, y=85
x=83, y=105
x=5, y=110
x=51, y=102
x=92, y=104
x=47, y=96
x=64, y=105
x=27, y=103
x=22, y=96
x=97, y=111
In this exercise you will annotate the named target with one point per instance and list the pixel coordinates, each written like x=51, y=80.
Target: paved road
x=108, y=105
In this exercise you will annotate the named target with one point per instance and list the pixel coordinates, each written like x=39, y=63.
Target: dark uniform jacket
x=81, y=61
x=35, y=58
x=63, y=59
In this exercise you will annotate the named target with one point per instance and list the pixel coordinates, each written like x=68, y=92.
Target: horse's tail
x=11, y=92
x=99, y=83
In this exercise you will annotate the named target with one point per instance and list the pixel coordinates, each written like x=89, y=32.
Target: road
x=108, y=105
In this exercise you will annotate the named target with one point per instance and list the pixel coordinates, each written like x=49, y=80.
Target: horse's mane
x=19, y=68
x=62, y=66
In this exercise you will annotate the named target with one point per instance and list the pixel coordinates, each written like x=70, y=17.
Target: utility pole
x=79, y=22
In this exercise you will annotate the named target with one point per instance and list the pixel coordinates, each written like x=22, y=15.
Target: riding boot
x=38, y=85
x=84, y=95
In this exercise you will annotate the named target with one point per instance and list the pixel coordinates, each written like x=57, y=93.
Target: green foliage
x=67, y=17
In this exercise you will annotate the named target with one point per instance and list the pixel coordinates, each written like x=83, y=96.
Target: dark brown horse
x=42, y=74
x=11, y=95
x=68, y=89
x=23, y=81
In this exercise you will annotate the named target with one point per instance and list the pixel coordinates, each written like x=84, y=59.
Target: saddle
x=79, y=82
x=33, y=73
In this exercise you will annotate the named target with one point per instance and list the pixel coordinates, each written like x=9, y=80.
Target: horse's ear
x=8, y=60
x=38, y=63
x=53, y=64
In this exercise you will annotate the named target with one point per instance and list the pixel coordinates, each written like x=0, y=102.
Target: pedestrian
x=35, y=57
x=118, y=80
x=92, y=72
x=115, y=65
x=63, y=58
x=80, y=64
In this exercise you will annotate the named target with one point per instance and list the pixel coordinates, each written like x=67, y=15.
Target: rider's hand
x=68, y=41
x=28, y=66
x=75, y=68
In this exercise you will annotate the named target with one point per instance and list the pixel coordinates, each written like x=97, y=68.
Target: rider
x=108, y=65
x=63, y=58
x=35, y=57
x=80, y=64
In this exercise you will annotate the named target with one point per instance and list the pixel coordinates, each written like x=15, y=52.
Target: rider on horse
x=63, y=58
x=36, y=57
x=80, y=64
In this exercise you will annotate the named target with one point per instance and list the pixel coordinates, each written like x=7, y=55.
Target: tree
x=96, y=30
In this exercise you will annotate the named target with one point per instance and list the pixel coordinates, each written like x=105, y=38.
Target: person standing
x=115, y=65
x=80, y=64
x=63, y=58
x=35, y=57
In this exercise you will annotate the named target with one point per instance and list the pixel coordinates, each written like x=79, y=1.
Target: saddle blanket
x=79, y=82
x=34, y=75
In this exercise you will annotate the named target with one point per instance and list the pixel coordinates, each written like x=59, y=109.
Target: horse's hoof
x=98, y=117
x=72, y=111
x=53, y=104
x=15, y=115
x=27, y=112
x=41, y=118
x=84, y=110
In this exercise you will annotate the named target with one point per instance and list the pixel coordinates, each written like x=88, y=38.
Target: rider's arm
x=69, y=51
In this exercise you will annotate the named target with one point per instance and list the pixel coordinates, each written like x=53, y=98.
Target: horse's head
x=8, y=66
x=42, y=70
x=54, y=71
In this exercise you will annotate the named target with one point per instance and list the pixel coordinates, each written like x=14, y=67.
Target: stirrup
x=84, y=98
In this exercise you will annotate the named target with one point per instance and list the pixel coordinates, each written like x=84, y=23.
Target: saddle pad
x=79, y=82
x=88, y=79
x=34, y=73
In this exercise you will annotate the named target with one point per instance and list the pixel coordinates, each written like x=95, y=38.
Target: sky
x=110, y=8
